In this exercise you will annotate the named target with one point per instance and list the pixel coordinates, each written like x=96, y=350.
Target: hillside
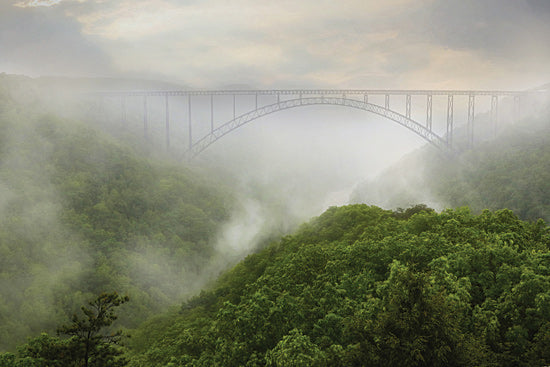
x=362, y=286
x=81, y=213
x=365, y=286
x=510, y=171
x=84, y=212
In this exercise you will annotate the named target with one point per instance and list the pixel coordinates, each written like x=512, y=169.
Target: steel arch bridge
x=284, y=99
x=243, y=119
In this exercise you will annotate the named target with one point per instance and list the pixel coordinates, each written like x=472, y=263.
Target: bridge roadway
x=352, y=98
x=304, y=92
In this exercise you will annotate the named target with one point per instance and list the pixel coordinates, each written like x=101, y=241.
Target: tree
x=89, y=343
x=418, y=326
x=295, y=350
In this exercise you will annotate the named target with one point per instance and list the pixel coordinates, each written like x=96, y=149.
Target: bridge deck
x=327, y=92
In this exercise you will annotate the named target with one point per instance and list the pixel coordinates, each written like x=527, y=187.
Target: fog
x=39, y=253
x=277, y=171
x=287, y=167
x=282, y=169
x=292, y=165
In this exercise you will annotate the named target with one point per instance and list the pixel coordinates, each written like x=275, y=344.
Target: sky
x=203, y=44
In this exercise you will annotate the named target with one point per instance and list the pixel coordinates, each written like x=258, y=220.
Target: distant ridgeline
x=362, y=286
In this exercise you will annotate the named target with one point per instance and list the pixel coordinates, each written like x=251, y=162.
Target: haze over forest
x=315, y=236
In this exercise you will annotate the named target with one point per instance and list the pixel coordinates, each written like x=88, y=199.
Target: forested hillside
x=82, y=214
x=510, y=171
x=85, y=217
x=363, y=286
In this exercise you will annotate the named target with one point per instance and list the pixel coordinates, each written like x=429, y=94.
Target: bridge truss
x=283, y=99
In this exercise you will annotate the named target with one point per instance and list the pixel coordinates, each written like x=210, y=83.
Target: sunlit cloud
x=35, y=3
x=314, y=43
x=320, y=41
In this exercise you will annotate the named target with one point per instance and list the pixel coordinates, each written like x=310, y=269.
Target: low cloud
x=354, y=43
x=41, y=41
x=34, y=3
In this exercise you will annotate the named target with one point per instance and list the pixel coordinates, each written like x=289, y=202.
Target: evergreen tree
x=90, y=343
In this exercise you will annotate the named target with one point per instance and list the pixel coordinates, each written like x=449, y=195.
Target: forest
x=81, y=214
x=103, y=251
x=360, y=285
x=510, y=171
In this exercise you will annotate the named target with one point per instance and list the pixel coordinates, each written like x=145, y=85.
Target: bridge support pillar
x=450, y=113
x=101, y=107
x=190, y=126
x=408, y=106
x=516, y=109
x=212, y=111
x=167, y=122
x=387, y=102
x=145, y=122
x=470, y=127
x=429, y=112
x=494, y=114
x=123, y=110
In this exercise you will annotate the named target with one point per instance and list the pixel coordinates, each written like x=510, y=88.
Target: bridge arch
x=224, y=129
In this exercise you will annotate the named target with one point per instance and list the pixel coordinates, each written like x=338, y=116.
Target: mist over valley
x=312, y=184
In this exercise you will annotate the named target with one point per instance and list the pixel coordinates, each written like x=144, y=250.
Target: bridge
x=284, y=99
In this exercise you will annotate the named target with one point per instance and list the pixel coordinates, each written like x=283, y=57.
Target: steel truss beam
x=353, y=98
x=241, y=120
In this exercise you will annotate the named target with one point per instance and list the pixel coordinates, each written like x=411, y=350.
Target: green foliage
x=87, y=345
x=362, y=286
x=47, y=350
x=510, y=172
x=92, y=346
x=358, y=286
x=81, y=214
x=295, y=350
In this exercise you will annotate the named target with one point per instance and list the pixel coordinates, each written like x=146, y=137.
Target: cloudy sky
x=420, y=44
